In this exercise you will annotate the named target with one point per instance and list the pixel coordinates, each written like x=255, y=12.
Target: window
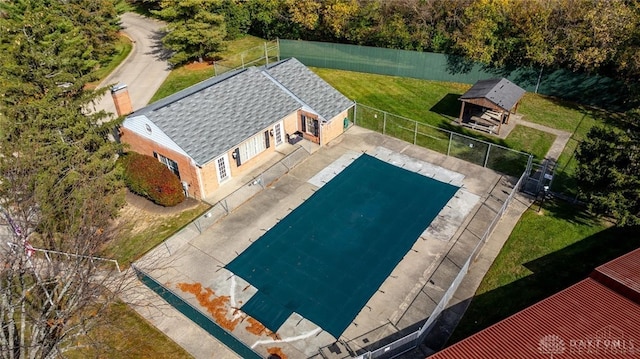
x=223, y=173
x=310, y=125
x=252, y=147
x=171, y=164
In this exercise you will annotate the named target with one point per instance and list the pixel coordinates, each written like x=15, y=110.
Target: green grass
x=546, y=252
x=185, y=76
x=125, y=334
x=402, y=96
x=436, y=103
x=535, y=141
x=131, y=243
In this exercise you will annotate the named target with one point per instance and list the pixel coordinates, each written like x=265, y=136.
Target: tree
x=58, y=186
x=609, y=169
x=196, y=29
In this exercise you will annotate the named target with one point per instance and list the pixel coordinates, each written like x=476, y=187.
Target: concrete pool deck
x=403, y=302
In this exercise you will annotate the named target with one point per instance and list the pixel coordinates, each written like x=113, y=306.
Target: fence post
x=278, y=48
x=415, y=133
x=266, y=54
x=539, y=78
x=384, y=122
x=486, y=158
x=450, y=140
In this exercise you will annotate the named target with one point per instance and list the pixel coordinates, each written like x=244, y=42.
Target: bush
x=147, y=177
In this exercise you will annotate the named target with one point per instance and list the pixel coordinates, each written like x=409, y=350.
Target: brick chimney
x=121, y=99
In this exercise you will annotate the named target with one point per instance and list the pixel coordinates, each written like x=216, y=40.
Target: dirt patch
x=198, y=65
x=216, y=306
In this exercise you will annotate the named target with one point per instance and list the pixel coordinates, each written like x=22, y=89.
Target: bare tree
x=49, y=298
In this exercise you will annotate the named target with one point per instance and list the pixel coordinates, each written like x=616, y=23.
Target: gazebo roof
x=502, y=92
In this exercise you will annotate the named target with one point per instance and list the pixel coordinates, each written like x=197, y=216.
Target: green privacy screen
x=331, y=254
x=580, y=87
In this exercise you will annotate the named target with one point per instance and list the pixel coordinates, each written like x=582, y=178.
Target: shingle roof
x=309, y=88
x=501, y=92
x=215, y=115
x=211, y=117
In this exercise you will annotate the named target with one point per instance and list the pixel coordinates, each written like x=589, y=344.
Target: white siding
x=139, y=125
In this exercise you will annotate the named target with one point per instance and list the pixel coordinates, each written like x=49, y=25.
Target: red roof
x=586, y=320
x=622, y=275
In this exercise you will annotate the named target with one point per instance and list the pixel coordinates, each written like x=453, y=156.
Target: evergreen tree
x=609, y=169
x=196, y=29
x=58, y=183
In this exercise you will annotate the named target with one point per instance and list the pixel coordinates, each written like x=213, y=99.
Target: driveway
x=146, y=67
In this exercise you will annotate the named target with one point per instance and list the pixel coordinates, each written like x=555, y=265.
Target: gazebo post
x=461, y=112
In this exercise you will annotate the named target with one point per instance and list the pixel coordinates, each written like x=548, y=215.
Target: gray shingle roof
x=310, y=88
x=502, y=92
x=210, y=118
x=213, y=116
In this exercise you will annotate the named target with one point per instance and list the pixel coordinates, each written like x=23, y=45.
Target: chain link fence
x=234, y=200
x=479, y=152
x=576, y=86
x=256, y=56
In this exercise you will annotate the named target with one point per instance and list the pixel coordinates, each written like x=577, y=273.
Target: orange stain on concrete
x=255, y=327
x=216, y=306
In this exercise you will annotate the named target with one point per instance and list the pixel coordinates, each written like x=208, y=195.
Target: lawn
x=436, y=103
x=124, y=334
x=140, y=231
x=535, y=141
x=546, y=252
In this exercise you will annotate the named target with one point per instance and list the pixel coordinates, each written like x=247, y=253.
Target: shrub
x=147, y=177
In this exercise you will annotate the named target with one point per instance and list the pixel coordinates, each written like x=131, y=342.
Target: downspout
x=200, y=184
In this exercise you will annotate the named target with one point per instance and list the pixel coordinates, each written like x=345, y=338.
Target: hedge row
x=147, y=177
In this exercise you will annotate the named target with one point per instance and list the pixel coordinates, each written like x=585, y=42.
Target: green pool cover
x=331, y=254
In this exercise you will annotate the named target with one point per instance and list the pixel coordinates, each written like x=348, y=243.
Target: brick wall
x=186, y=167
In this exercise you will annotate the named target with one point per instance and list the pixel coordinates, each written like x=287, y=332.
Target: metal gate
x=539, y=178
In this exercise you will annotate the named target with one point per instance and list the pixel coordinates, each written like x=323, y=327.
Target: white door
x=277, y=133
x=222, y=167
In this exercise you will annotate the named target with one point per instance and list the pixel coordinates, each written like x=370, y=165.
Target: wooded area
x=587, y=35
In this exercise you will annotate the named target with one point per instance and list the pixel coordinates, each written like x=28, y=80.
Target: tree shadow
x=549, y=274
x=158, y=50
x=459, y=65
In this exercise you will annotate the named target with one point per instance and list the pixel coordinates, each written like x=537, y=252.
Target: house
x=228, y=124
x=597, y=317
x=489, y=104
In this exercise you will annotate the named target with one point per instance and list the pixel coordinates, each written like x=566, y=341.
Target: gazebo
x=489, y=103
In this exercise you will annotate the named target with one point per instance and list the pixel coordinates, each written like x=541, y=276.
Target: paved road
x=145, y=68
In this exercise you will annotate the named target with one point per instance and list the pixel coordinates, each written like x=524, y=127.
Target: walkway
x=562, y=137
